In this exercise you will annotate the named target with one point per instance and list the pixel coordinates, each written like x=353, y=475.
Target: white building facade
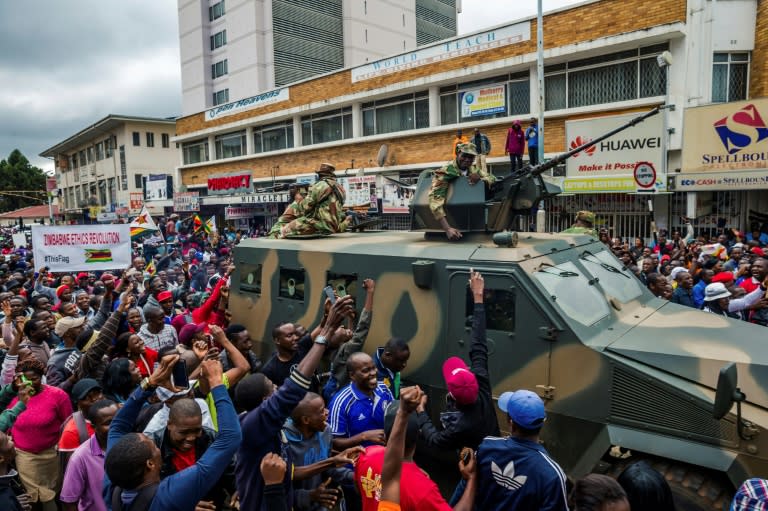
x=231, y=49
x=103, y=168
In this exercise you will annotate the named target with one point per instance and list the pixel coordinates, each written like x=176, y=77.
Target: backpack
x=142, y=502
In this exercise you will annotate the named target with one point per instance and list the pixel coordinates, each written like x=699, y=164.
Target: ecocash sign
x=753, y=181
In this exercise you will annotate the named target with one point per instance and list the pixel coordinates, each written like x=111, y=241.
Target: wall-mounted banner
x=486, y=101
x=267, y=98
x=185, y=202
x=157, y=187
x=361, y=192
x=68, y=248
x=395, y=198
x=727, y=136
x=722, y=181
x=612, y=162
x=457, y=47
x=230, y=183
x=265, y=198
x=135, y=201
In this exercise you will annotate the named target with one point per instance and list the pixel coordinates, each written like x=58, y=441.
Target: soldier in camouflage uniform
x=461, y=166
x=584, y=224
x=321, y=210
x=290, y=213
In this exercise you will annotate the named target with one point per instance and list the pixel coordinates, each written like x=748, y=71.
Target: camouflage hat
x=586, y=216
x=326, y=168
x=468, y=149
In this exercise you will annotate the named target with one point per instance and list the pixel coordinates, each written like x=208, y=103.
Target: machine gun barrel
x=557, y=160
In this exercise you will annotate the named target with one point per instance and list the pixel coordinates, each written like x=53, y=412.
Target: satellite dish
x=382, y=156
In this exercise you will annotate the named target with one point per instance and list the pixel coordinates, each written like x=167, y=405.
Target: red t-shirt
x=146, y=363
x=182, y=460
x=70, y=437
x=417, y=491
x=749, y=284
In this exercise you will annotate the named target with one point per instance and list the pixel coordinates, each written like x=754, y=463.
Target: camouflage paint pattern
x=290, y=214
x=615, y=365
x=580, y=230
x=442, y=180
x=321, y=210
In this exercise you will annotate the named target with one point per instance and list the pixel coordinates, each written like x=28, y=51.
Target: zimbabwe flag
x=98, y=255
x=197, y=223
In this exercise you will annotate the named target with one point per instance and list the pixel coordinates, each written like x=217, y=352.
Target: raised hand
x=272, y=469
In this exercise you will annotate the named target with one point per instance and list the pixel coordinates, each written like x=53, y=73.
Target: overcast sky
x=99, y=57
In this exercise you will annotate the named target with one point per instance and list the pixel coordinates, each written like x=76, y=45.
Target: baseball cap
x=83, y=387
x=461, y=382
x=164, y=295
x=715, y=291
x=188, y=331
x=723, y=276
x=66, y=323
x=525, y=408
x=758, y=251
x=82, y=275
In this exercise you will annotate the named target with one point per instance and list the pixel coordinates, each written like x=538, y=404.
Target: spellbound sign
x=227, y=184
x=267, y=98
x=458, y=47
x=263, y=198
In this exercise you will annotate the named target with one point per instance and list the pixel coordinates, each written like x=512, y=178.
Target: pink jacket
x=515, y=143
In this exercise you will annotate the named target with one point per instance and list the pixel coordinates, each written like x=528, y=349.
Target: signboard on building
x=135, y=201
x=236, y=212
x=445, y=50
x=361, y=192
x=185, y=202
x=609, y=166
x=50, y=184
x=68, y=248
x=230, y=184
x=156, y=187
x=267, y=98
x=266, y=198
x=722, y=181
x=726, y=137
x=485, y=101
x=395, y=198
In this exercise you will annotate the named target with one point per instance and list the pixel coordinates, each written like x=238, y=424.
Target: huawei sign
x=580, y=141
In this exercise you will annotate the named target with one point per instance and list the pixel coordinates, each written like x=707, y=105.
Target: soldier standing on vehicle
x=438, y=192
x=584, y=224
x=321, y=210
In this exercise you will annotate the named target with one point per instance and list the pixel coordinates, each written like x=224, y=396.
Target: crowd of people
x=137, y=390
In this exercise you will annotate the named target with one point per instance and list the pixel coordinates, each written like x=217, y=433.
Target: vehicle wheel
x=693, y=488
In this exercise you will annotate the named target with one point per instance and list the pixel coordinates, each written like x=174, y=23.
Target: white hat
x=676, y=271
x=715, y=291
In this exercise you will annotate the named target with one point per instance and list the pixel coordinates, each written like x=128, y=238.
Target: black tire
x=693, y=488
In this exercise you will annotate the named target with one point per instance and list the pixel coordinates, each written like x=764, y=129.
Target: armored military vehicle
x=615, y=365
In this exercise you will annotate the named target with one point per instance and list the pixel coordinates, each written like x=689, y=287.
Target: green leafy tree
x=17, y=174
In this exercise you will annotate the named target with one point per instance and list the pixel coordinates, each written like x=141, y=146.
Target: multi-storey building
x=231, y=49
x=104, y=166
x=397, y=116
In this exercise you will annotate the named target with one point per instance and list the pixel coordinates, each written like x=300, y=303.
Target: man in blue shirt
x=684, y=292
x=516, y=473
x=357, y=410
x=705, y=278
x=532, y=136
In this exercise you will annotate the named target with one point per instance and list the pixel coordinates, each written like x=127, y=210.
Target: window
x=730, y=76
x=572, y=292
x=138, y=181
x=327, y=126
x=216, y=11
x=616, y=280
x=221, y=97
x=90, y=153
x=219, y=69
x=218, y=39
x=273, y=137
x=136, y=138
x=499, y=309
x=109, y=146
x=250, y=277
x=230, y=145
x=195, y=152
x=74, y=161
x=292, y=284
x=166, y=140
x=401, y=113
x=82, y=158
x=620, y=76
x=100, y=151
x=150, y=139
x=123, y=168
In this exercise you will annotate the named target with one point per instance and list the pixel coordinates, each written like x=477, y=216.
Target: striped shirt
x=353, y=412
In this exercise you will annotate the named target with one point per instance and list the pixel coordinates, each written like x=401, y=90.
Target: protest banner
x=73, y=248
